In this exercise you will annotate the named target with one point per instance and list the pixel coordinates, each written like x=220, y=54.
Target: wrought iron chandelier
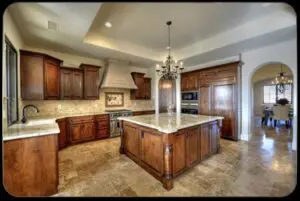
x=170, y=69
x=281, y=80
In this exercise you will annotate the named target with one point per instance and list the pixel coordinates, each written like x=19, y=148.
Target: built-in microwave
x=189, y=96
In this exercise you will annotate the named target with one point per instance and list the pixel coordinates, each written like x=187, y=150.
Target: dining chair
x=262, y=113
x=281, y=112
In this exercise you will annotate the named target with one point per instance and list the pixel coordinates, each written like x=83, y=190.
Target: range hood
x=117, y=75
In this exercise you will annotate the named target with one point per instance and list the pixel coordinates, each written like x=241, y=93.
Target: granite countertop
x=169, y=124
x=39, y=126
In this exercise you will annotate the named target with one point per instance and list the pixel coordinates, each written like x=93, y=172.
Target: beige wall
x=55, y=107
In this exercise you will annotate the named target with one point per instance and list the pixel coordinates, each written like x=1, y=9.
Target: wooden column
x=168, y=162
x=121, y=150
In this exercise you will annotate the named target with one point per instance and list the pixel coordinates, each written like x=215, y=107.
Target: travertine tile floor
x=264, y=166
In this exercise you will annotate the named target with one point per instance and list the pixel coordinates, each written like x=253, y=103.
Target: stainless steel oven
x=189, y=108
x=114, y=122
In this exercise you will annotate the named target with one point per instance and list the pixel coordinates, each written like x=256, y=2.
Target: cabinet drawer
x=102, y=117
x=84, y=119
x=102, y=124
x=102, y=133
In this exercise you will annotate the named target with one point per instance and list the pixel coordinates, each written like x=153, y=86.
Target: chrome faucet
x=23, y=114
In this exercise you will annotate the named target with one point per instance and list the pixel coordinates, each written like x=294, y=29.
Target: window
x=272, y=94
x=11, y=82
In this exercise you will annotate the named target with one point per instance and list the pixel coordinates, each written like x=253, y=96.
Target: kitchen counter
x=169, y=123
x=39, y=126
x=167, y=145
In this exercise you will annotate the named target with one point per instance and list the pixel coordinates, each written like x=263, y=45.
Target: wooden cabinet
x=143, y=91
x=205, y=99
x=147, y=88
x=217, y=88
x=71, y=84
x=214, y=133
x=191, y=146
x=205, y=140
x=102, y=126
x=179, y=146
x=152, y=150
x=189, y=81
x=39, y=76
x=131, y=140
x=91, y=81
x=30, y=166
x=81, y=129
x=224, y=105
x=62, y=137
x=51, y=78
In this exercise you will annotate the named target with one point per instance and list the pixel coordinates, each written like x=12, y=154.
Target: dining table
x=269, y=113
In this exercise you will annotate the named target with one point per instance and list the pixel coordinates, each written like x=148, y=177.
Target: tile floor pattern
x=264, y=166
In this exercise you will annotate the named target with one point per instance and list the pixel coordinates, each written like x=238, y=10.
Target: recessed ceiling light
x=266, y=4
x=108, y=24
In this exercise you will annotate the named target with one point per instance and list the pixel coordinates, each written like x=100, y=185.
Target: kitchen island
x=166, y=145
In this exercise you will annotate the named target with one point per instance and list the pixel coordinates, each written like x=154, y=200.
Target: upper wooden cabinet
x=189, y=81
x=91, y=81
x=71, y=84
x=143, y=91
x=39, y=76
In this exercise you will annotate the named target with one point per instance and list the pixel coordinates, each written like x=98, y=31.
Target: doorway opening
x=272, y=104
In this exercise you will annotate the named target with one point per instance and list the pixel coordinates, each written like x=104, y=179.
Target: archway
x=263, y=98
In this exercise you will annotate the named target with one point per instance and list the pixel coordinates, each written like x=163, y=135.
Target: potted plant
x=282, y=101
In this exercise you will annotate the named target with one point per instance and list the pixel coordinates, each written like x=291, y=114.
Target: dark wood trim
x=7, y=82
x=89, y=65
x=212, y=67
x=115, y=93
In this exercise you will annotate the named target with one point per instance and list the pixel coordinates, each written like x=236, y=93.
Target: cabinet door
x=88, y=131
x=131, y=140
x=77, y=85
x=179, y=153
x=62, y=137
x=147, y=90
x=183, y=82
x=152, y=150
x=91, y=83
x=205, y=141
x=75, y=133
x=214, y=137
x=192, y=146
x=51, y=79
x=205, y=100
x=32, y=78
x=224, y=105
x=66, y=84
x=102, y=133
x=139, y=81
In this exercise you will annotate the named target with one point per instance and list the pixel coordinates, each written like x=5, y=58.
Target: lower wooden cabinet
x=179, y=152
x=75, y=130
x=131, y=140
x=150, y=142
x=205, y=139
x=191, y=146
x=30, y=166
x=62, y=137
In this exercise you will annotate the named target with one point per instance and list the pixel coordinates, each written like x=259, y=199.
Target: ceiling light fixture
x=281, y=80
x=108, y=24
x=169, y=69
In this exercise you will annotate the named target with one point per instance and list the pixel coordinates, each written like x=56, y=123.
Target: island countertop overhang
x=170, y=123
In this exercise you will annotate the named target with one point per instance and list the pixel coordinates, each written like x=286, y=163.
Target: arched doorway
x=264, y=96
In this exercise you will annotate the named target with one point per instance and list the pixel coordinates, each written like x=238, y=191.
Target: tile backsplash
x=56, y=107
